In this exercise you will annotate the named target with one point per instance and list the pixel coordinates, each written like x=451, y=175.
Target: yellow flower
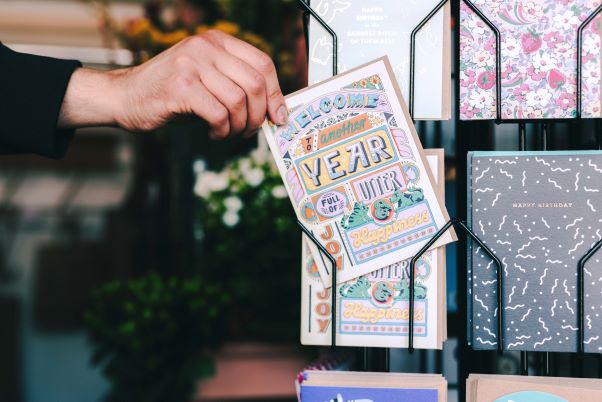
x=375, y=80
x=227, y=27
x=363, y=83
x=201, y=29
x=138, y=27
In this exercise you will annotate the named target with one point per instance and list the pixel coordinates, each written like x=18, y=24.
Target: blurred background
x=156, y=267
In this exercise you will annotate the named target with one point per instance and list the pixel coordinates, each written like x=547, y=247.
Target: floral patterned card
x=538, y=59
x=369, y=29
x=356, y=172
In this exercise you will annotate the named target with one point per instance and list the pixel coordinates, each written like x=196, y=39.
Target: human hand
x=224, y=81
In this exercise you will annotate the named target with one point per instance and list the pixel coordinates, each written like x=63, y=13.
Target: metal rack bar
x=335, y=49
x=455, y=222
x=418, y=27
x=584, y=24
x=581, y=292
x=333, y=277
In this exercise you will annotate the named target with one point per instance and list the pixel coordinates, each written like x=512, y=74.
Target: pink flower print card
x=538, y=59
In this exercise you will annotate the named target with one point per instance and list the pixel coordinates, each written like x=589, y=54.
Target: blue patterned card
x=352, y=394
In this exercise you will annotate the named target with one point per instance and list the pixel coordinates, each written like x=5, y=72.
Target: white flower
x=591, y=44
x=566, y=20
x=482, y=58
x=533, y=11
x=279, y=192
x=480, y=98
x=233, y=203
x=477, y=27
x=564, y=51
x=259, y=156
x=208, y=182
x=592, y=109
x=591, y=74
x=199, y=166
x=244, y=164
x=253, y=176
x=533, y=113
x=540, y=97
x=510, y=47
x=543, y=62
x=230, y=218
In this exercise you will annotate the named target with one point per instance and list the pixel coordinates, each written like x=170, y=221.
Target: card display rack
x=543, y=365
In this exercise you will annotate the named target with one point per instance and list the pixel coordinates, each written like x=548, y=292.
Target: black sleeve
x=32, y=89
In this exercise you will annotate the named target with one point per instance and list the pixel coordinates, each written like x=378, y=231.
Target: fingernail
x=281, y=115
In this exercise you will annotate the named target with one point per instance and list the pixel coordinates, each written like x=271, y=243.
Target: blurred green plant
x=251, y=243
x=152, y=335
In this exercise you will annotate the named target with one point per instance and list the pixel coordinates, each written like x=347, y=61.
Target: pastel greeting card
x=539, y=212
x=538, y=59
x=373, y=310
x=356, y=173
x=349, y=386
x=512, y=388
x=369, y=29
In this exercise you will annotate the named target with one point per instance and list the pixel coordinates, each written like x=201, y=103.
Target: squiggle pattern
x=481, y=175
x=576, y=247
x=589, y=204
x=525, y=316
x=555, y=284
x=592, y=164
x=574, y=223
x=545, y=272
x=554, y=183
x=504, y=220
x=542, y=342
x=544, y=222
x=505, y=173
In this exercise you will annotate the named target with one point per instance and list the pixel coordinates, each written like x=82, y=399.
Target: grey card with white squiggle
x=540, y=212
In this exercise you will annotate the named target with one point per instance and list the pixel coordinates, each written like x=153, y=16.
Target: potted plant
x=152, y=336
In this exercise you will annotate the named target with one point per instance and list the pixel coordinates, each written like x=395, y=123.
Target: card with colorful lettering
x=356, y=172
x=372, y=28
x=373, y=310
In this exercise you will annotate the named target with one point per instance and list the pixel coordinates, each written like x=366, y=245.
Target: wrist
x=93, y=98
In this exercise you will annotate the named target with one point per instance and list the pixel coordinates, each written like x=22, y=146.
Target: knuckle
x=257, y=84
x=239, y=100
x=265, y=63
x=219, y=117
x=181, y=82
x=198, y=41
x=276, y=94
x=183, y=61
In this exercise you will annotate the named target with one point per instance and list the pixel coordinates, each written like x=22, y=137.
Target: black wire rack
x=470, y=360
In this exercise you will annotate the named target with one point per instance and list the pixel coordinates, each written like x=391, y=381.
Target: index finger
x=262, y=63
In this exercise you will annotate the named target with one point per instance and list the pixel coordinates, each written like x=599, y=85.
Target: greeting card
x=349, y=386
x=539, y=212
x=538, y=59
x=510, y=388
x=375, y=28
x=356, y=173
x=373, y=310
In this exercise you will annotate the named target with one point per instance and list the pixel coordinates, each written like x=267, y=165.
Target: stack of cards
x=369, y=29
x=358, y=178
x=506, y=388
x=346, y=386
x=539, y=212
x=537, y=58
x=373, y=309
